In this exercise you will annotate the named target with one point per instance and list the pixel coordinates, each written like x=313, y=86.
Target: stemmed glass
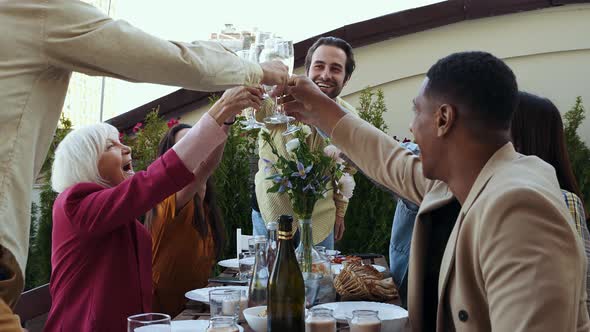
x=250, y=123
x=149, y=322
x=281, y=50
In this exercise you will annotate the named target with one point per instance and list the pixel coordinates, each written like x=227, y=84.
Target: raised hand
x=307, y=103
x=234, y=100
x=275, y=73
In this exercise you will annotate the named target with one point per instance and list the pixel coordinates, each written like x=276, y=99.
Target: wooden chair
x=33, y=307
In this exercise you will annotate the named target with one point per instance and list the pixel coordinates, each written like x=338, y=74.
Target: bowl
x=256, y=323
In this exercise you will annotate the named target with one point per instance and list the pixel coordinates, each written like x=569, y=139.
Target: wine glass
x=279, y=49
x=149, y=322
x=250, y=123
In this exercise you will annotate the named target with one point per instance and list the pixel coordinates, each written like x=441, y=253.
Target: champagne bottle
x=286, y=290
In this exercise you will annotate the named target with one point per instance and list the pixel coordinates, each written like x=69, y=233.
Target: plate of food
x=332, y=252
x=339, y=259
x=202, y=294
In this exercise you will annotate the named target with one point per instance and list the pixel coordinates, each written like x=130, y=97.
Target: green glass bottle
x=286, y=290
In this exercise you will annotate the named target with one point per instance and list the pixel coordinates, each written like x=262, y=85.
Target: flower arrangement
x=304, y=174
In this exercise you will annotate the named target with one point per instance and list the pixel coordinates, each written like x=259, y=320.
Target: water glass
x=246, y=263
x=243, y=304
x=252, y=245
x=149, y=322
x=222, y=324
x=312, y=285
x=225, y=303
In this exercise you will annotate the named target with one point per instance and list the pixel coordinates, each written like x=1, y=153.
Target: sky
x=188, y=20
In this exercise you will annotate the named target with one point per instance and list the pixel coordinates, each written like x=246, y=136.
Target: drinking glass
x=279, y=49
x=149, y=322
x=250, y=123
x=225, y=303
x=243, y=304
x=365, y=321
x=246, y=263
x=222, y=324
x=312, y=286
x=252, y=244
x=320, y=320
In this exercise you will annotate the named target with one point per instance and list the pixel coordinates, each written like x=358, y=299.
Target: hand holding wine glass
x=273, y=70
x=234, y=100
x=281, y=50
x=275, y=73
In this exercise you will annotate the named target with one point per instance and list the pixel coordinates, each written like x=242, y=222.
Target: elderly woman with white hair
x=101, y=255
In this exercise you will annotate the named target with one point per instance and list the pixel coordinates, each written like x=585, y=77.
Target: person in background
x=329, y=64
x=44, y=42
x=401, y=230
x=537, y=130
x=187, y=232
x=401, y=238
x=101, y=255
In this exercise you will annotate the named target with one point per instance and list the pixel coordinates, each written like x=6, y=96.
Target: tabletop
x=198, y=310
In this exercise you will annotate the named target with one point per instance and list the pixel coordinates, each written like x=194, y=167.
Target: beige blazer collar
x=503, y=156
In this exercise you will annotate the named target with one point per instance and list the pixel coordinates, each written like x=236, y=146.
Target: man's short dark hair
x=336, y=42
x=478, y=82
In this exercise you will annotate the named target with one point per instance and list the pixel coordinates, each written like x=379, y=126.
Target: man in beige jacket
x=42, y=43
x=512, y=261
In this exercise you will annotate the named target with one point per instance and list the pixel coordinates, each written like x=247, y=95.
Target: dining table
x=200, y=311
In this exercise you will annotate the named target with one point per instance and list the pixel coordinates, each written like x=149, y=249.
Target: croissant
x=364, y=282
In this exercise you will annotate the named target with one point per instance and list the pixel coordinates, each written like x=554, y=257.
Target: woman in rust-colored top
x=187, y=233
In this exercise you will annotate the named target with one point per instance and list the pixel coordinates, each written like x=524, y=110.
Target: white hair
x=76, y=157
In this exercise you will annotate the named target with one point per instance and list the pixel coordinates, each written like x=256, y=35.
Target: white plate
x=202, y=294
x=393, y=318
x=336, y=268
x=192, y=326
x=233, y=263
x=332, y=252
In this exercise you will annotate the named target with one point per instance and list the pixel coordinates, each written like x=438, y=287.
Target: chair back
x=242, y=242
x=33, y=303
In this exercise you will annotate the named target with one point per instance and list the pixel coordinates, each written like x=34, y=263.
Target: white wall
x=549, y=51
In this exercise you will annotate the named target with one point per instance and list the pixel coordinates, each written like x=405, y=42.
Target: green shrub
x=578, y=151
x=38, y=268
x=370, y=211
x=145, y=139
x=234, y=184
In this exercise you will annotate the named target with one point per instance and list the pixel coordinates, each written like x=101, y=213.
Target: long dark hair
x=202, y=216
x=537, y=129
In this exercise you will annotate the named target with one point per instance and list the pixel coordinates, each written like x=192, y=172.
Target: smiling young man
x=329, y=64
x=512, y=261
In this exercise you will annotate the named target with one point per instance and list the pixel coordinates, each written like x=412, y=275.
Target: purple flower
x=302, y=171
x=269, y=165
x=285, y=183
x=309, y=187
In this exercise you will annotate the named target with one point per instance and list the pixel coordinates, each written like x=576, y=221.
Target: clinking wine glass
x=278, y=49
x=250, y=123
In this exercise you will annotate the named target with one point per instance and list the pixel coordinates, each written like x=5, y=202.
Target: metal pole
x=103, y=79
